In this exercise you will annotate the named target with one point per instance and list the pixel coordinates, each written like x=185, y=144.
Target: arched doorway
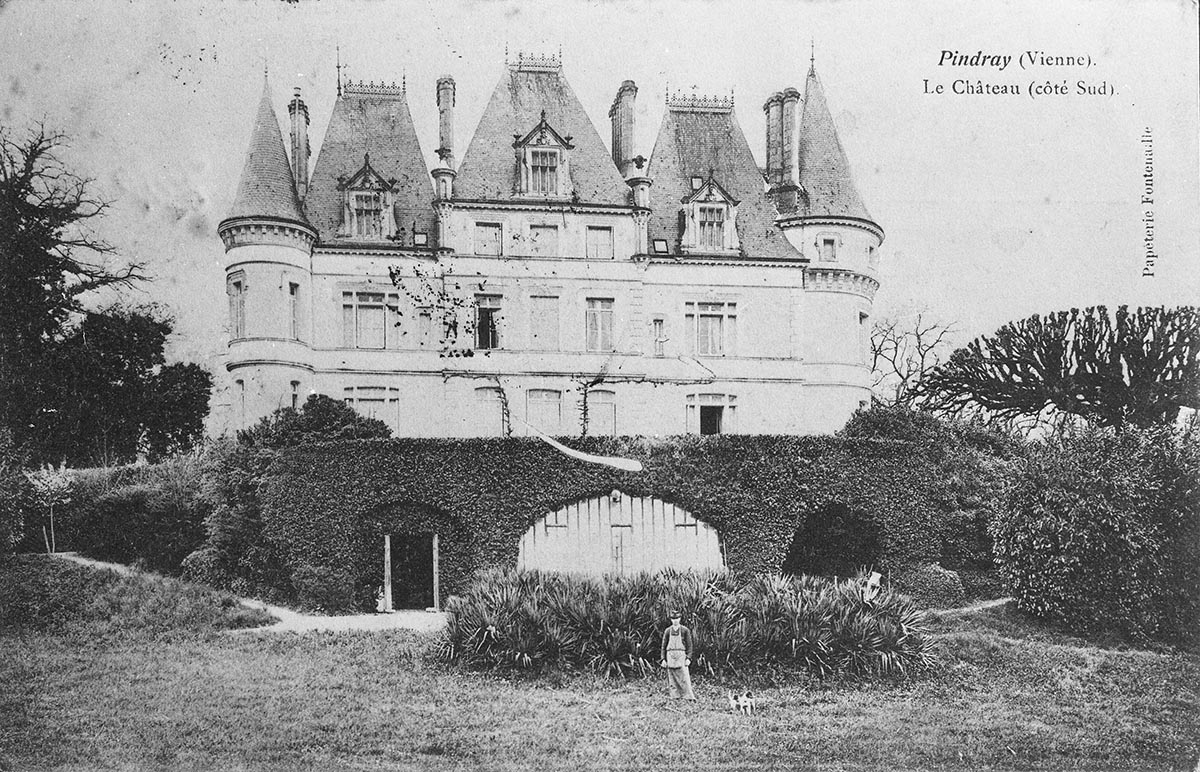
x=619, y=534
x=834, y=541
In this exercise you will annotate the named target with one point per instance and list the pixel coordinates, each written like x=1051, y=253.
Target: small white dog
x=745, y=703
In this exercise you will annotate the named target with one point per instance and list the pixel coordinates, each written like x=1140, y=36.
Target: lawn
x=96, y=683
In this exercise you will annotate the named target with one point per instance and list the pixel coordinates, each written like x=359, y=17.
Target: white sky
x=994, y=207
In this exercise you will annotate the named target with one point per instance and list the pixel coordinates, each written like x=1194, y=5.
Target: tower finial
x=266, y=74
x=812, y=56
x=338, y=49
x=403, y=79
x=506, y=52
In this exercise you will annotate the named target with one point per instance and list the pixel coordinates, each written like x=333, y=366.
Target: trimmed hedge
x=535, y=621
x=326, y=506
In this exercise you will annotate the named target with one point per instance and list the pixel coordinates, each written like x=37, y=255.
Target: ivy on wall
x=325, y=507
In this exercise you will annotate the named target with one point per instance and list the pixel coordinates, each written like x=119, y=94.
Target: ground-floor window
x=376, y=402
x=711, y=413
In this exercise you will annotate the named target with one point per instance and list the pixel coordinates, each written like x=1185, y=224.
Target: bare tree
x=904, y=350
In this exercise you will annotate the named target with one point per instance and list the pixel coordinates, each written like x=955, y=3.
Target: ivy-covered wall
x=325, y=506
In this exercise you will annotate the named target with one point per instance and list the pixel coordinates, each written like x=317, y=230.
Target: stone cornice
x=821, y=279
x=784, y=221
x=244, y=231
x=733, y=262
x=543, y=205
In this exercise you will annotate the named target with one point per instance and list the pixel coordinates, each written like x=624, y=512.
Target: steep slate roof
x=375, y=121
x=267, y=188
x=489, y=171
x=824, y=170
x=693, y=141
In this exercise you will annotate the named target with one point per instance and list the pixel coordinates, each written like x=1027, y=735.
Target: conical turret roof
x=824, y=170
x=267, y=188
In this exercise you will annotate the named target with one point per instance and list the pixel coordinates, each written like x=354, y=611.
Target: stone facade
x=545, y=282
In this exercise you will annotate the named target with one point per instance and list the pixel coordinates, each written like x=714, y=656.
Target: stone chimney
x=790, y=171
x=299, y=112
x=445, y=104
x=774, y=112
x=621, y=115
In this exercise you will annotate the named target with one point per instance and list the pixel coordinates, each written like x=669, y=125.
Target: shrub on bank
x=931, y=586
x=541, y=621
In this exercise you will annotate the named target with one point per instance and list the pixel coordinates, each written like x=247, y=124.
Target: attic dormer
x=709, y=217
x=368, y=203
x=543, y=162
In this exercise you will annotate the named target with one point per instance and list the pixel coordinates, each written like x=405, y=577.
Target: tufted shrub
x=533, y=621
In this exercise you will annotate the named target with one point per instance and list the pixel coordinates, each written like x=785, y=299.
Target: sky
x=995, y=206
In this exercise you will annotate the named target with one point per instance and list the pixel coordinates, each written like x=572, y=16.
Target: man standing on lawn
x=677, y=656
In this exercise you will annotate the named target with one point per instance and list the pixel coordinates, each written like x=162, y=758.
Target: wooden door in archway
x=620, y=534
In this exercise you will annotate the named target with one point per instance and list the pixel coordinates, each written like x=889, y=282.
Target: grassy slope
x=1006, y=694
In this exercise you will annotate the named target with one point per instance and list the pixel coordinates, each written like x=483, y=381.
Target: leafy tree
x=179, y=404
x=1129, y=368
x=319, y=419
x=110, y=397
x=49, y=259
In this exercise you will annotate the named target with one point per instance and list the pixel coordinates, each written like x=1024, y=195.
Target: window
x=872, y=256
x=424, y=327
x=487, y=321
x=490, y=412
x=543, y=410
x=240, y=405
x=364, y=319
x=487, y=238
x=656, y=332
x=368, y=213
x=599, y=243
x=376, y=402
x=828, y=248
x=711, y=328
x=864, y=339
x=294, y=311
x=543, y=172
x=660, y=246
x=543, y=240
x=543, y=323
x=711, y=413
x=712, y=227
x=295, y=394
x=602, y=414
x=599, y=324
x=237, y=307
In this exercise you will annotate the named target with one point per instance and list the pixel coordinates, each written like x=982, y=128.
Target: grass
x=1005, y=693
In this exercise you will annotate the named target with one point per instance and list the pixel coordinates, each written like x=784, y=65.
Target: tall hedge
x=1103, y=533
x=325, y=506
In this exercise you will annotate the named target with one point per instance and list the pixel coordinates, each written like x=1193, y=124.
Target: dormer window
x=542, y=162
x=367, y=204
x=709, y=220
x=368, y=214
x=543, y=172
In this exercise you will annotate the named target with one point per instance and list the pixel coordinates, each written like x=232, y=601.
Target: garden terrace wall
x=325, y=506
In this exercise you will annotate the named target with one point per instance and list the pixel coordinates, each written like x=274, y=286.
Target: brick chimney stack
x=621, y=115
x=299, y=112
x=445, y=104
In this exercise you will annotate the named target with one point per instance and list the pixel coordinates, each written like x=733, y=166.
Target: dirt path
x=973, y=608
x=295, y=621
